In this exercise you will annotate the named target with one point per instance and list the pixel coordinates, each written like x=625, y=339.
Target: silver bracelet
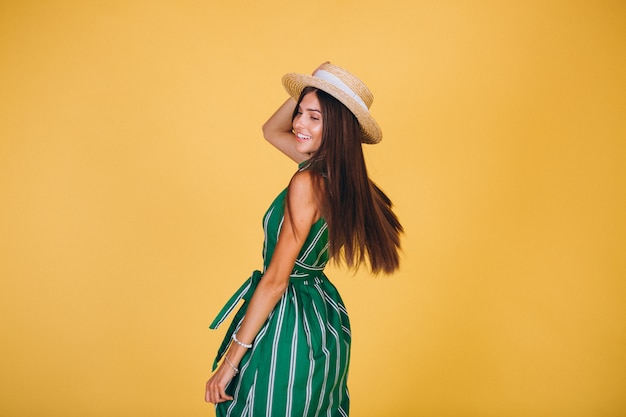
x=240, y=343
x=231, y=365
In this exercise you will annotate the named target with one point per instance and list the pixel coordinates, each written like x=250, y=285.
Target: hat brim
x=294, y=84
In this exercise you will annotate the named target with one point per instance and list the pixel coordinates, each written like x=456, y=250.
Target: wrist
x=231, y=365
x=240, y=343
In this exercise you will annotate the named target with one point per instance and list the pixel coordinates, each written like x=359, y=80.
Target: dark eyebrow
x=315, y=110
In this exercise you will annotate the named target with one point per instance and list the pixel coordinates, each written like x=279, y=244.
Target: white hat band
x=334, y=80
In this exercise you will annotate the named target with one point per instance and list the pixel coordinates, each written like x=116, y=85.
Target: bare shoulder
x=303, y=193
x=302, y=186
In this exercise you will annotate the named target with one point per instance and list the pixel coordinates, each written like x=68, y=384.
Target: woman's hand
x=216, y=386
x=323, y=63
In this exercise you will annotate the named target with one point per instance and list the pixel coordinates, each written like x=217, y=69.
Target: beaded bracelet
x=240, y=343
x=231, y=365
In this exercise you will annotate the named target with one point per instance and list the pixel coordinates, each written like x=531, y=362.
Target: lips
x=300, y=136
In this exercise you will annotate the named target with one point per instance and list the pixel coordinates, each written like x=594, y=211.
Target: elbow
x=267, y=131
x=273, y=288
x=273, y=132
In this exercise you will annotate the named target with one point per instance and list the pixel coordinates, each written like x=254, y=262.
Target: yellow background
x=133, y=178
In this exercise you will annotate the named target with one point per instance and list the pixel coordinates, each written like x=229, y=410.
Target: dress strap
x=243, y=293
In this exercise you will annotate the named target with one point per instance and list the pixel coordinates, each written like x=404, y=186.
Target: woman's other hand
x=216, y=386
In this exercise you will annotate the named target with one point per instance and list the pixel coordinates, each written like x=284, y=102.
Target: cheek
x=318, y=131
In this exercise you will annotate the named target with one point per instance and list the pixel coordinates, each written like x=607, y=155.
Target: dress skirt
x=298, y=363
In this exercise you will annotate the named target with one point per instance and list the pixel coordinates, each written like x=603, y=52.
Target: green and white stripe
x=298, y=365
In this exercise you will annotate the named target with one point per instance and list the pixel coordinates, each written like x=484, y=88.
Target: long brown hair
x=362, y=226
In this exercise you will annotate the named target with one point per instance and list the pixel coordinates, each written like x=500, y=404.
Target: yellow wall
x=133, y=178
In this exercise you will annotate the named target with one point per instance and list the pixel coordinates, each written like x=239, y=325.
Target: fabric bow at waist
x=298, y=276
x=243, y=293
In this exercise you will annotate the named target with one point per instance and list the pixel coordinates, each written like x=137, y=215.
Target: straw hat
x=346, y=88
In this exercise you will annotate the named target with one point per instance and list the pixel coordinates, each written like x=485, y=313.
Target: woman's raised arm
x=277, y=131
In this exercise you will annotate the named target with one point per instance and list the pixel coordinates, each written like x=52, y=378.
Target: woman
x=288, y=348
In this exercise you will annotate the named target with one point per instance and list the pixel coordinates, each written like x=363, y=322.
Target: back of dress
x=298, y=364
x=314, y=254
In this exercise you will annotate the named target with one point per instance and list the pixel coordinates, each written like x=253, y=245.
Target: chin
x=306, y=150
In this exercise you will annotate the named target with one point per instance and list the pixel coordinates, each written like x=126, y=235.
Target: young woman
x=287, y=350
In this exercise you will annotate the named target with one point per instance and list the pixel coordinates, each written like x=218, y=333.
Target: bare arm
x=304, y=213
x=277, y=131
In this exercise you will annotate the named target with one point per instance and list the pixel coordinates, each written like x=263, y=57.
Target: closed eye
x=314, y=114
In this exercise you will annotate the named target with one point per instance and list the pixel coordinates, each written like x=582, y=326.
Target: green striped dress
x=298, y=365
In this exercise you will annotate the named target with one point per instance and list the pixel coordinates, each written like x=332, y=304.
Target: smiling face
x=308, y=124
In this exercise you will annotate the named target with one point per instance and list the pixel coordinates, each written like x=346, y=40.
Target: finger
x=212, y=394
x=220, y=395
x=223, y=395
x=207, y=393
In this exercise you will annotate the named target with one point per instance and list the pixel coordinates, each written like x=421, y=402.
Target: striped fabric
x=298, y=365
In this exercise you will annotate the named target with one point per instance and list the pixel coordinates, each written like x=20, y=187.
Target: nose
x=297, y=122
